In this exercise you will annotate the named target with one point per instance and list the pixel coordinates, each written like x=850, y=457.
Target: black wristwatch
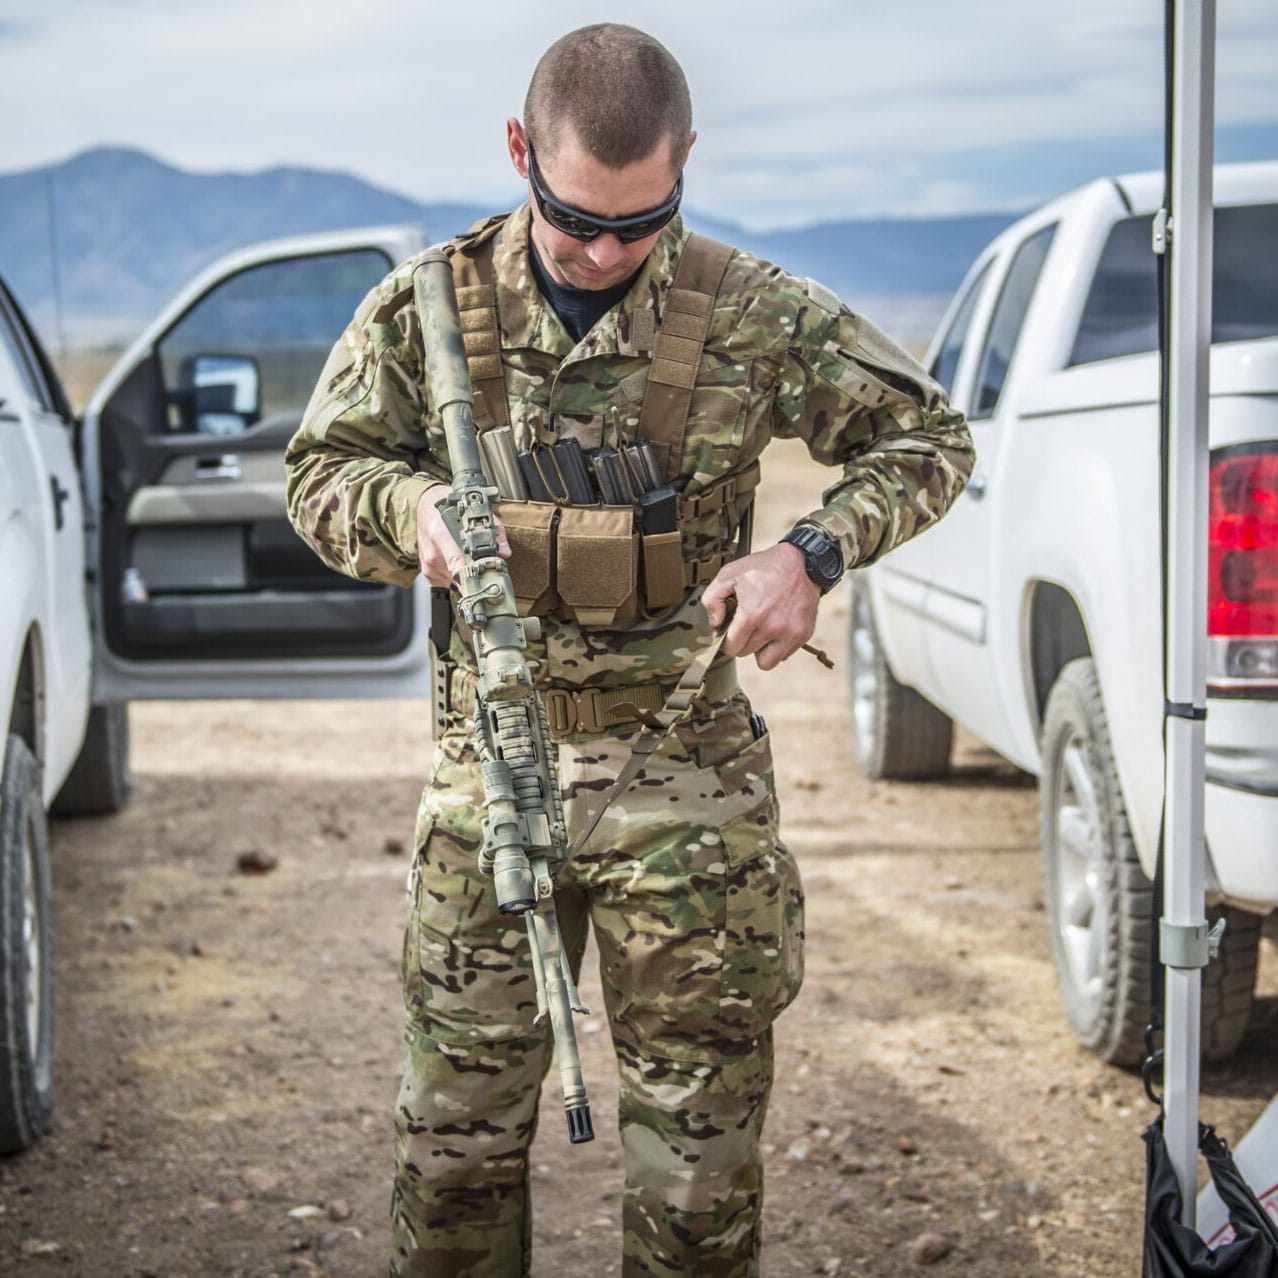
x=822, y=555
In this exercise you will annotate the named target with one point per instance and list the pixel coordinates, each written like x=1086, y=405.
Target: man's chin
x=584, y=278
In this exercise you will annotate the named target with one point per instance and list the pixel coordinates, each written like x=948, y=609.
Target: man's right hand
x=440, y=556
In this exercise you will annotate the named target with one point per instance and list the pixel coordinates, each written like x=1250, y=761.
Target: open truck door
x=201, y=586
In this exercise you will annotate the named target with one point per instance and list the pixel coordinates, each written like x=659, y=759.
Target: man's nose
x=605, y=250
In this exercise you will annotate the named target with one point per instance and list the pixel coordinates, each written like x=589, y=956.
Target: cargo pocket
x=597, y=564
x=702, y=946
x=763, y=943
x=529, y=529
x=467, y=969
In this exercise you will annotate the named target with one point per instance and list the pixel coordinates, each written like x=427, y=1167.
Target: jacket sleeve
x=861, y=403
x=361, y=459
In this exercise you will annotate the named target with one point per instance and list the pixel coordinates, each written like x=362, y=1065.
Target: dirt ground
x=228, y=1044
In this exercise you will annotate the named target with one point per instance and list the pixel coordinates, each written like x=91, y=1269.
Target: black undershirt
x=580, y=309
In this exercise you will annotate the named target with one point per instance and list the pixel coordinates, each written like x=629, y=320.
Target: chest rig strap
x=477, y=306
x=685, y=323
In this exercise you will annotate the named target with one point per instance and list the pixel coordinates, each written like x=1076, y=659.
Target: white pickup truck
x=1033, y=617
x=146, y=552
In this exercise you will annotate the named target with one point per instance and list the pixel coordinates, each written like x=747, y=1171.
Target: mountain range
x=116, y=232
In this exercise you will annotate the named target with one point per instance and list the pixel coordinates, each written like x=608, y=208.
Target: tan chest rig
x=596, y=564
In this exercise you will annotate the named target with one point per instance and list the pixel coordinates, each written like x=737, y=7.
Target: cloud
x=835, y=107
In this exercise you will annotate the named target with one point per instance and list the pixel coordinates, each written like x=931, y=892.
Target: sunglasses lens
x=583, y=229
x=579, y=228
x=641, y=230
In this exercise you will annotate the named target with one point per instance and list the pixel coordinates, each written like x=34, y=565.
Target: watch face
x=822, y=556
x=828, y=562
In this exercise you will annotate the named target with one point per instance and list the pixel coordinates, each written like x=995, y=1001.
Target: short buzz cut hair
x=620, y=92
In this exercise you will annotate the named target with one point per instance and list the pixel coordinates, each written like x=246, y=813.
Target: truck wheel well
x=1056, y=636
x=26, y=719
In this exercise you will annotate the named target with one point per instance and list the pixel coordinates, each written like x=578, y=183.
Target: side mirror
x=225, y=393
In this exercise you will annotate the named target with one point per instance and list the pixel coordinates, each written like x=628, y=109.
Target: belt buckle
x=589, y=710
x=561, y=714
x=569, y=711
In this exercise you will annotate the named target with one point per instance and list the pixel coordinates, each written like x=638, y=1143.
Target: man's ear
x=517, y=146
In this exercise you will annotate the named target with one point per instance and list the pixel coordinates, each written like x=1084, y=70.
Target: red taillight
x=1242, y=540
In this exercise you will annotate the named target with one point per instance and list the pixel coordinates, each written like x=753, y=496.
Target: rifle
x=523, y=823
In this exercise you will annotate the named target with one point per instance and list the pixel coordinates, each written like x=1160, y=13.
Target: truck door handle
x=60, y=495
x=227, y=466
x=976, y=486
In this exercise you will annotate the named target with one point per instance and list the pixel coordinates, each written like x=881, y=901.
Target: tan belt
x=594, y=710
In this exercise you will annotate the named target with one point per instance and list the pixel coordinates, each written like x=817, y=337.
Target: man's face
x=573, y=176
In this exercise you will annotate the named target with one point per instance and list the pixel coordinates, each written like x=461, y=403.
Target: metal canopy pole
x=1184, y=929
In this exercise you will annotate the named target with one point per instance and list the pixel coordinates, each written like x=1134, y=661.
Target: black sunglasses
x=586, y=226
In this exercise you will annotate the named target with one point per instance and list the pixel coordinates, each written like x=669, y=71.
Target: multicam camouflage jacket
x=782, y=358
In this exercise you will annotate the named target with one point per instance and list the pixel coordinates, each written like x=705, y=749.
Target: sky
x=806, y=110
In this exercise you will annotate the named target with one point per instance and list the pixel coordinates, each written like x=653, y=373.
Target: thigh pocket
x=467, y=969
x=702, y=941
x=763, y=943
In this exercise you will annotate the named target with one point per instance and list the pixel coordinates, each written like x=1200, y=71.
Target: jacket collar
x=528, y=320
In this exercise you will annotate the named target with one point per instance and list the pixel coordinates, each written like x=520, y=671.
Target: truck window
x=1121, y=313
x=1009, y=315
x=946, y=361
x=254, y=345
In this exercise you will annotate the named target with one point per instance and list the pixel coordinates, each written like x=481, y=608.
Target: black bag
x=1174, y=1251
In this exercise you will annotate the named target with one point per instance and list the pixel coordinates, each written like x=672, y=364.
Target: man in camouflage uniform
x=695, y=904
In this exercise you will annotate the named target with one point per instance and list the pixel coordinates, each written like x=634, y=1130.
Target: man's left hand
x=776, y=604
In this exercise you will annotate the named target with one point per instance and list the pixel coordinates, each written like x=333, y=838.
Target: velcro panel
x=483, y=342
x=472, y=296
x=484, y=368
x=527, y=527
x=669, y=372
x=682, y=349
x=682, y=299
x=681, y=324
x=597, y=561
x=644, y=328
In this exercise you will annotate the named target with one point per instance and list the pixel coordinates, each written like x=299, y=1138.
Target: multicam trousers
x=697, y=911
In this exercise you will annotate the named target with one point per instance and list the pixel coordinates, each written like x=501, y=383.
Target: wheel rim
x=865, y=680
x=31, y=941
x=1082, y=922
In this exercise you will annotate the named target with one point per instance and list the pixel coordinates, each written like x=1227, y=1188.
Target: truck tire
x=100, y=781
x=1099, y=902
x=1229, y=982
x=897, y=734
x=26, y=953
x=1100, y=905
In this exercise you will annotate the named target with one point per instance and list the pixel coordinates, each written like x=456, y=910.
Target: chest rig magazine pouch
x=605, y=564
